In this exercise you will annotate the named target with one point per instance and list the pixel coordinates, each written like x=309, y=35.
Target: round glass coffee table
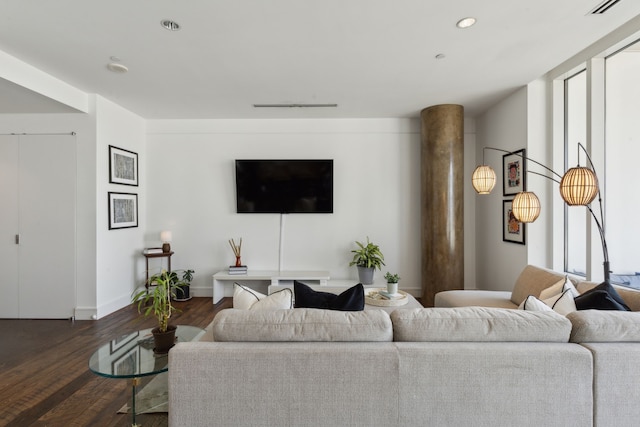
x=131, y=356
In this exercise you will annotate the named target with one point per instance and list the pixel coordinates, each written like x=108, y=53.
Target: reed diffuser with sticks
x=236, y=248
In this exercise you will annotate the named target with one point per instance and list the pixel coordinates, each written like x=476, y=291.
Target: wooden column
x=442, y=173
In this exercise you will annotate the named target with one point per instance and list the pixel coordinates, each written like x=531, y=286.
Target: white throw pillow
x=532, y=303
x=247, y=299
x=561, y=304
x=558, y=288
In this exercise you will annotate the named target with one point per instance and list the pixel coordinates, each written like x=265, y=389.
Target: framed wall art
x=128, y=364
x=123, y=210
x=513, y=172
x=513, y=231
x=123, y=166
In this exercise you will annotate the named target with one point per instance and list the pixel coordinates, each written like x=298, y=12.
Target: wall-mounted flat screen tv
x=284, y=186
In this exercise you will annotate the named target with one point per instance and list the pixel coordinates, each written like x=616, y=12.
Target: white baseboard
x=201, y=291
x=86, y=313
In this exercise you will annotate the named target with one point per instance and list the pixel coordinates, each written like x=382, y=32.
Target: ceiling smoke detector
x=170, y=25
x=117, y=68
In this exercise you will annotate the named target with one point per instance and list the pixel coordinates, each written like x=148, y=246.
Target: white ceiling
x=374, y=58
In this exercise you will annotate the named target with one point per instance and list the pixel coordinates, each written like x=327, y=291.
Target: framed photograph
x=123, y=210
x=123, y=166
x=512, y=229
x=127, y=364
x=120, y=342
x=514, y=173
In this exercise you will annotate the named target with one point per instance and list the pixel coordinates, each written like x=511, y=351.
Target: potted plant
x=392, y=282
x=157, y=301
x=182, y=290
x=367, y=258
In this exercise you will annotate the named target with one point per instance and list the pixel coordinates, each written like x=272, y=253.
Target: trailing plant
x=368, y=255
x=392, y=278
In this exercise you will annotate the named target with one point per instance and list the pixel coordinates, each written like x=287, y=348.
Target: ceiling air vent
x=295, y=105
x=604, y=6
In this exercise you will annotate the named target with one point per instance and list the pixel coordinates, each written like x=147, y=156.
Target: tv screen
x=284, y=186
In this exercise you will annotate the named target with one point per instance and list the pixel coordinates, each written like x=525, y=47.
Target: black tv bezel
x=281, y=210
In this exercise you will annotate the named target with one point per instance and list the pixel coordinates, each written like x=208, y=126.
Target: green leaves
x=162, y=288
x=392, y=278
x=368, y=255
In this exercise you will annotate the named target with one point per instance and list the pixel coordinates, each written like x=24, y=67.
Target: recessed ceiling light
x=170, y=25
x=466, y=22
x=117, y=68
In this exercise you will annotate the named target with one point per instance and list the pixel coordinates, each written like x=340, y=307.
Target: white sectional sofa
x=460, y=366
x=532, y=281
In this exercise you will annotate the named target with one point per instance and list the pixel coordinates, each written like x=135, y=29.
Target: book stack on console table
x=234, y=269
x=151, y=251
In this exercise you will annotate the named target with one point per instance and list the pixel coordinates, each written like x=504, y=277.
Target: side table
x=157, y=255
x=131, y=357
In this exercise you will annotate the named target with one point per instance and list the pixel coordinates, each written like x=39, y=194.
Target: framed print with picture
x=123, y=210
x=123, y=166
x=513, y=173
x=127, y=364
x=513, y=231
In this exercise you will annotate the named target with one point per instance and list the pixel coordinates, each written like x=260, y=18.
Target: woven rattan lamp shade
x=526, y=207
x=483, y=179
x=579, y=186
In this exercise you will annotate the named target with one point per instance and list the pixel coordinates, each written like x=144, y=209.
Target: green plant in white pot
x=367, y=258
x=392, y=282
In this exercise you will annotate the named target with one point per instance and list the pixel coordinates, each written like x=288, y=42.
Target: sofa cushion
x=602, y=297
x=302, y=324
x=351, y=299
x=532, y=281
x=557, y=289
x=604, y=326
x=247, y=299
x=477, y=324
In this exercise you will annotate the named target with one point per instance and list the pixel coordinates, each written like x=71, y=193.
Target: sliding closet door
x=47, y=210
x=37, y=226
x=9, y=225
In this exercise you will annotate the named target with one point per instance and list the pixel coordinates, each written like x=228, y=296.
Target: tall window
x=575, y=252
x=622, y=202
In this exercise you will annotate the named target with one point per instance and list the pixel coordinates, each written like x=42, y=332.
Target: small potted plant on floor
x=367, y=258
x=182, y=290
x=392, y=282
x=157, y=301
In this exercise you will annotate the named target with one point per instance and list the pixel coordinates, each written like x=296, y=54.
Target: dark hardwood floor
x=44, y=374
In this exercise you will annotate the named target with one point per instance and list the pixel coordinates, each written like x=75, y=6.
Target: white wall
x=191, y=191
x=503, y=126
x=190, y=171
x=119, y=261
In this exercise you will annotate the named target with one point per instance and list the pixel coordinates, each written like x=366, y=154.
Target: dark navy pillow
x=350, y=300
x=602, y=297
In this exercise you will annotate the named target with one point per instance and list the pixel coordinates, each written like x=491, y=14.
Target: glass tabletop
x=132, y=356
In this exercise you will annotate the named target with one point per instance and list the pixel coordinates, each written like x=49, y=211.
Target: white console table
x=223, y=281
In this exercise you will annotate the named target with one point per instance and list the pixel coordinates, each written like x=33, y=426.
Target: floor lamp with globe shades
x=578, y=187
